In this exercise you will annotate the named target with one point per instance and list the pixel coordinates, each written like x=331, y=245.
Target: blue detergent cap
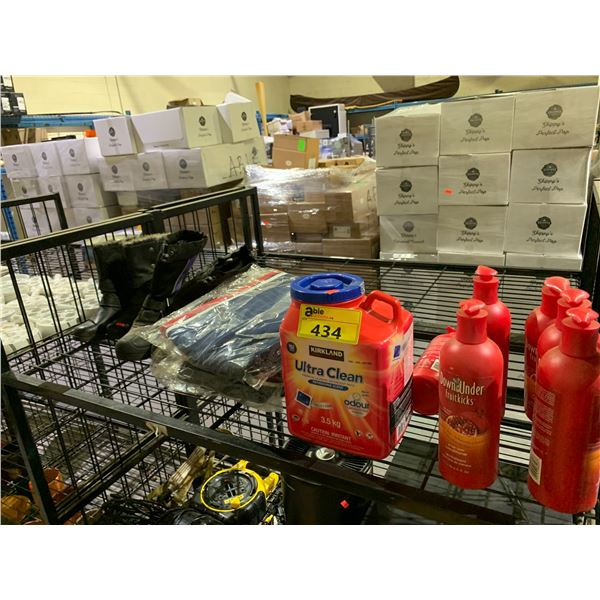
x=327, y=288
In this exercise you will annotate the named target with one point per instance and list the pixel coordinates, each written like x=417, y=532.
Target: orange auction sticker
x=448, y=192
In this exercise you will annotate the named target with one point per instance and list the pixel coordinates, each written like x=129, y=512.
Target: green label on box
x=301, y=145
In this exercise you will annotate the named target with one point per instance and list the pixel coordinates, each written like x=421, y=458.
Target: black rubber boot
x=141, y=254
x=178, y=254
x=110, y=266
x=213, y=275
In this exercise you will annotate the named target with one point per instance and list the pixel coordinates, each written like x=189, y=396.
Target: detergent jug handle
x=382, y=297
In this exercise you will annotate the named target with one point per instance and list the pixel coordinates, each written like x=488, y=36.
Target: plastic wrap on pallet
x=227, y=341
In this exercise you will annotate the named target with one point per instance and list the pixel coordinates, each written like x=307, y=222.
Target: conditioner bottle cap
x=485, y=284
x=570, y=298
x=580, y=333
x=551, y=292
x=471, y=321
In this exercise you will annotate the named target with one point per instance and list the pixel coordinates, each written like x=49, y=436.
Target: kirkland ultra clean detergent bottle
x=347, y=363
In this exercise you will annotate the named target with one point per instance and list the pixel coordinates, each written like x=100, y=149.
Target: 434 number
x=326, y=331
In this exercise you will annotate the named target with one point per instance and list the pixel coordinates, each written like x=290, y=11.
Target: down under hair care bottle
x=564, y=462
x=485, y=288
x=471, y=368
x=540, y=318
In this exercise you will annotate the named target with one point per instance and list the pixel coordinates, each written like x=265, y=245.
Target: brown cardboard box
x=307, y=217
x=307, y=238
x=266, y=204
x=367, y=247
x=293, y=151
x=275, y=227
x=298, y=117
x=301, y=126
x=348, y=205
x=309, y=248
x=351, y=230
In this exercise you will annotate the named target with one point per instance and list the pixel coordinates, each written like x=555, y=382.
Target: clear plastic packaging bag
x=227, y=341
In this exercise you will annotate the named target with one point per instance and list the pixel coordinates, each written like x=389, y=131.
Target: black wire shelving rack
x=110, y=427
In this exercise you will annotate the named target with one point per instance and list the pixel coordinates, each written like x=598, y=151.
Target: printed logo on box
x=80, y=187
x=71, y=153
x=405, y=135
x=549, y=170
x=202, y=121
x=544, y=223
x=114, y=169
x=183, y=164
x=475, y=120
x=244, y=116
x=473, y=174
x=44, y=156
x=470, y=223
x=554, y=111
x=14, y=158
x=408, y=226
x=51, y=189
x=23, y=189
x=145, y=166
x=111, y=131
x=406, y=185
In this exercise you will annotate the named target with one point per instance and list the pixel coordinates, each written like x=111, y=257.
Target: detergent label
x=346, y=396
x=329, y=323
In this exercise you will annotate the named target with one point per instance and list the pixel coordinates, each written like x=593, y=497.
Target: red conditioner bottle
x=564, y=463
x=470, y=401
x=537, y=321
x=426, y=376
x=550, y=338
x=485, y=288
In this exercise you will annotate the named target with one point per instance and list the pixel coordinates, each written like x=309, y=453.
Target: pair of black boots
x=137, y=278
x=141, y=282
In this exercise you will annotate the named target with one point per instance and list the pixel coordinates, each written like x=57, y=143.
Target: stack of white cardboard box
x=407, y=154
x=136, y=161
x=190, y=147
x=552, y=139
x=66, y=167
x=495, y=180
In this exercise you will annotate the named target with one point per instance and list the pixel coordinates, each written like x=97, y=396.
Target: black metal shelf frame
x=62, y=374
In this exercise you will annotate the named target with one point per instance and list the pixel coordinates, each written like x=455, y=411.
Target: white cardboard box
x=556, y=118
x=183, y=127
x=237, y=118
x=55, y=185
x=79, y=156
x=117, y=136
x=85, y=191
x=207, y=167
x=413, y=234
x=149, y=171
x=86, y=215
x=28, y=187
x=18, y=161
x=127, y=199
x=254, y=150
x=478, y=229
x=493, y=259
x=550, y=176
x=474, y=179
x=480, y=125
x=545, y=228
x=408, y=136
x=46, y=159
x=407, y=191
x=39, y=221
x=117, y=173
x=544, y=261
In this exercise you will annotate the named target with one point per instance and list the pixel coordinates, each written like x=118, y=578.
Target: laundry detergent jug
x=347, y=363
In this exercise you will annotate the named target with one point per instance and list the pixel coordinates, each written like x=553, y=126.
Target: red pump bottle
x=540, y=318
x=470, y=401
x=485, y=288
x=426, y=376
x=564, y=463
x=550, y=338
